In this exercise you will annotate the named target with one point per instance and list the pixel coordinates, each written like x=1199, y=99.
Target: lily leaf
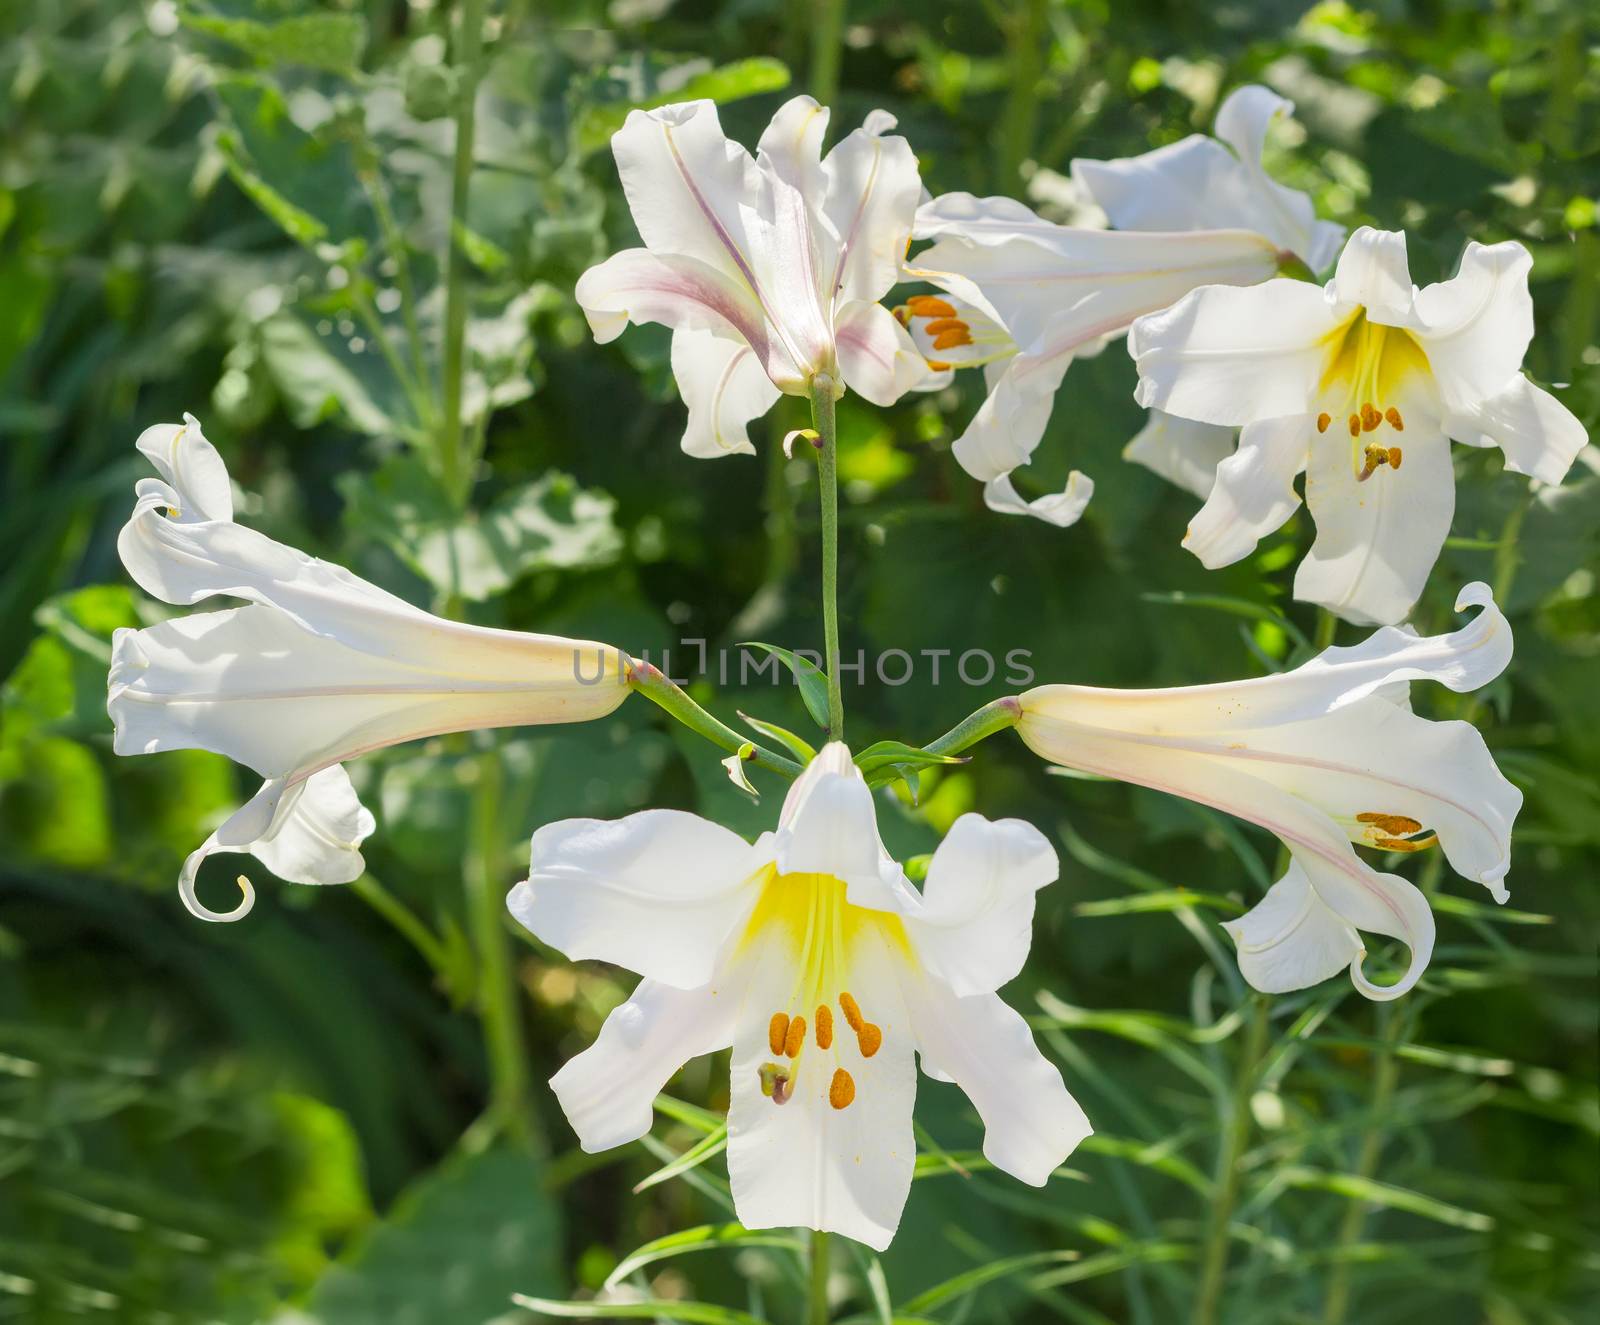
x=812, y=680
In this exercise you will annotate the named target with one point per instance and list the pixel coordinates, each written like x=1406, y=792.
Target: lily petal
x=1253, y=493
x=1182, y=451
x=1377, y=539
x=1061, y=509
x=871, y=196
x=1197, y=184
x=189, y=464
x=877, y=357
x=976, y=921
x=1232, y=356
x=1031, y=1124
x=725, y=386
x=1292, y=939
x=683, y=293
x=1010, y=423
x=686, y=184
x=310, y=832
x=1088, y=284
x=608, y=1090
x=252, y=684
x=1374, y=273
x=1477, y=326
x=657, y=892
x=808, y=1162
x=829, y=826
x=1539, y=435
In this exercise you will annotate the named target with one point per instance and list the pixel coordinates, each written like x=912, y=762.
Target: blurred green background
x=231, y=208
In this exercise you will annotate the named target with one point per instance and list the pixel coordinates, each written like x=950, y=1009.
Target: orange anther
x=842, y=1089
x=1370, y=418
x=869, y=1038
x=1355, y=425
x=937, y=366
x=938, y=325
x=796, y=1037
x=1394, y=457
x=930, y=305
x=777, y=1031
x=1323, y=420
x=1396, y=825
x=852, y=1011
x=1395, y=421
x=824, y=1026
x=948, y=339
x=1401, y=844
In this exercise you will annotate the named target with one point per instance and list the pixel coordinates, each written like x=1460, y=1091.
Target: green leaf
x=704, y=1237
x=786, y=738
x=812, y=680
x=707, y=1147
x=970, y=1281
x=454, y=1248
x=690, y=1115
x=549, y=524
x=728, y=82
x=692, y=1313
x=1242, y=607
x=1385, y=1194
x=330, y=42
x=895, y=761
x=318, y=381
x=298, y=224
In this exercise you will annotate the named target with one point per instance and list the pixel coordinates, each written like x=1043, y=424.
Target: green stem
x=394, y=241
x=469, y=51
x=1214, y=1255
x=497, y=985
x=993, y=717
x=654, y=684
x=822, y=419
x=1327, y=630
x=1385, y=1076
x=827, y=25
x=398, y=914
x=817, y=1303
x=1029, y=43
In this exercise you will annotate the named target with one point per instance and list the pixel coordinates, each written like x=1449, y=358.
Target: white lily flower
x=1323, y=756
x=1362, y=385
x=320, y=667
x=812, y=956
x=1026, y=296
x=768, y=270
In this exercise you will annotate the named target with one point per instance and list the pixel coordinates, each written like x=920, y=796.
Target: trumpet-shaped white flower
x=320, y=667
x=1362, y=385
x=812, y=956
x=1025, y=297
x=768, y=270
x=1323, y=756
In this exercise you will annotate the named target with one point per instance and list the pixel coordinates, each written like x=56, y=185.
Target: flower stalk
x=817, y=1295
x=469, y=52
x=654, y=684
x=822, y=419
x=995, y=716
x=1214, y=1254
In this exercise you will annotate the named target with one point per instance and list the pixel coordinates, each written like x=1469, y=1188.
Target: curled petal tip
x=198, y=909
x=1476, y=594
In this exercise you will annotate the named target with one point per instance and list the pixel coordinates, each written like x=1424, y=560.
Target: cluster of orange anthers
x=1368, y=419
x=786, y=1036
x=944, y=326
x=1395, y=832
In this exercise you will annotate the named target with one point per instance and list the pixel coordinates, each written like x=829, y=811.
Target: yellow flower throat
x=1368, y=364
x=823, y=931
